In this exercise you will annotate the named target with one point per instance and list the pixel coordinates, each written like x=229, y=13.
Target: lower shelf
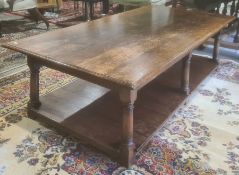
x=93, y=113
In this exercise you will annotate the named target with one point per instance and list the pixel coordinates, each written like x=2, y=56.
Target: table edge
x=112, y=81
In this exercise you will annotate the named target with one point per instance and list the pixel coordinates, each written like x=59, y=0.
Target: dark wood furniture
x=36, y=15
x=89, y=7
x=120, y=54
x=36, y=12
x=33, y=11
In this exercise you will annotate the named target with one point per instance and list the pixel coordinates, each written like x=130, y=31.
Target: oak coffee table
x=117, y=54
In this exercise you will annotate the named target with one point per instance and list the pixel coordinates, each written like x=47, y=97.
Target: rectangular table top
x=128, y=49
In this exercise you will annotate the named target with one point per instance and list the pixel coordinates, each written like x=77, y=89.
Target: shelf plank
x=66, y=101
x=93, y=113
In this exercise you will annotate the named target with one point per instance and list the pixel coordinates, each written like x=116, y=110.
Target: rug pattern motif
x=14, y=30
x=188, y=143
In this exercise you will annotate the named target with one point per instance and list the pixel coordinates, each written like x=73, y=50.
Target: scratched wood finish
x=128, y=49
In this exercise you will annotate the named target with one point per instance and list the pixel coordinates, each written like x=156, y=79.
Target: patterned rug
x=10, y=61
x=200, y=138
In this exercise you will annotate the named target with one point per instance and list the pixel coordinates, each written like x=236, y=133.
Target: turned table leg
x=34, y=84
x=0, y=28
x=186, y=74
x=216, y=48
x=127, y=98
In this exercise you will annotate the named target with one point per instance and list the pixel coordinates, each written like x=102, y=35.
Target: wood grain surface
x=128, y=49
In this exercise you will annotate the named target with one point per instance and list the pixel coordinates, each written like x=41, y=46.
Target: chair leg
x=10, y=3
x=105, y=6
x=224, y=11
x=237, y=8
x=57, y=5
x=91, y=10
x=86, y=11
x=0, y=29
x=36, y=13
x=40, y=16
x=218, y=8
x=233, y=8
x=236, y=38
x=33, y=15
x=174, y=3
